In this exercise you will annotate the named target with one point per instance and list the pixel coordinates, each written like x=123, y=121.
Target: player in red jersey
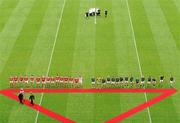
x=66, y=80
x=61, y=80
x=43, y=81
x=38, y=79
x=52, y=81
x=21, y=80
x=71, y=82
x=26, y=81
x=11, y=82
x=57, y=80
x=15, y=81
x=48, y=80
x=76, y=80
x=32, y=81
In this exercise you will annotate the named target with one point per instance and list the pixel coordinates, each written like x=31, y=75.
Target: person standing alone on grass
x=32, y=98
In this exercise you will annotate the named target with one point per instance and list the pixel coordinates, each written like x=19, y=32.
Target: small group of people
x=95, y=12
x=45, y=81
x=21, y=97
x=129, y=82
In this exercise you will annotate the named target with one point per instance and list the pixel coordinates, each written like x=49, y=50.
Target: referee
x=32, y=98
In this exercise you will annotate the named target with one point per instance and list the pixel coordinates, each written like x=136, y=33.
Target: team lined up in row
x=66, y=82
x=43, y=81
x=129, y=81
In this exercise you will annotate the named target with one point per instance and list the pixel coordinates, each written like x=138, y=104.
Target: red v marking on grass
x=164, y=94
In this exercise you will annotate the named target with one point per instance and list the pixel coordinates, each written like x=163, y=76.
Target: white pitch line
x=139, y=64
x=52, y=52
x=95, y=19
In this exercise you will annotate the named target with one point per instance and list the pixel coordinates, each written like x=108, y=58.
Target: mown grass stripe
x=145, y=41
x=83, y=64
x=10, y=33
x=172, y=16
x=23, y=46
x=164, y=41
x=6, y=8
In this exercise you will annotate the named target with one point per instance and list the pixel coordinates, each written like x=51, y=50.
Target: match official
x=21, y=97
x=32, y=98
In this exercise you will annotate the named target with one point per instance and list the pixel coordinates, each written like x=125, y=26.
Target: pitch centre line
x=137, y=54
x=52, y=52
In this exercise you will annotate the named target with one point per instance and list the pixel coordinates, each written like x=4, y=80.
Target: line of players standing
x=129, y=82
x=45, y=81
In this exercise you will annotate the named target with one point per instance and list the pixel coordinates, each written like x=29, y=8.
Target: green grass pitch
x=52, y=36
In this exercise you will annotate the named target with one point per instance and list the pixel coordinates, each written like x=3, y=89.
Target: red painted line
x=40, y=109
x=141, y=107
x=164, y=94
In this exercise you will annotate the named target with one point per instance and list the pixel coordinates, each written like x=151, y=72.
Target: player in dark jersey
x=113, y=82
x=105, y=13
x=126, y=81
x=149, y=81
x=142, y=81
x=93, y=82
x=131, y=81
x=98, y=13
x=117, y=81
x=171, y=81
x=137, y=82
x=161, y=81
x=121, y=81
x=103, y=83
x=154, y=82
x=87, y=14
x=98, y=82
x=108, y=81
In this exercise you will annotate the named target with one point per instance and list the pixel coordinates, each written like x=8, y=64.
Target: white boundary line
x=52, y=52
x=95, y=19
x=137, y=54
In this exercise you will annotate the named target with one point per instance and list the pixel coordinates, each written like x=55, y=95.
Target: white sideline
x=137, y=54
x=52, y=52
